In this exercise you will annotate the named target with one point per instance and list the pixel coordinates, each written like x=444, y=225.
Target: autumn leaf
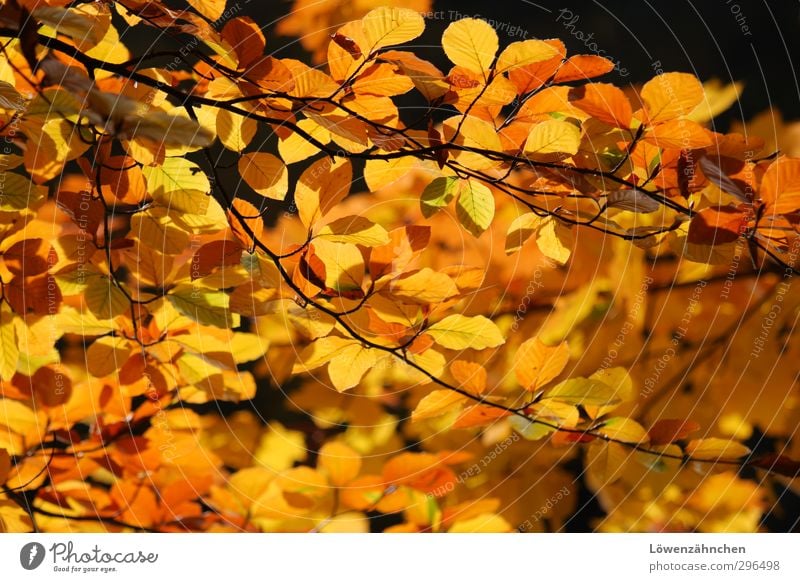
x=671, y=95
x=265, y=174
x=471, y=43
x=553, y=136
x=458, y=332
x=712, y=449
x=475, y=207
x=536, y=364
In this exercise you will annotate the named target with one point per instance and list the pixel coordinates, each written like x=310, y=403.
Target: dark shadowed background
x=755, y=41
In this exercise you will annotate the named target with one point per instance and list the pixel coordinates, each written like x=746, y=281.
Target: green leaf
x=532, y=431
x=207, y=306
x=437, y=195
x=475, y=207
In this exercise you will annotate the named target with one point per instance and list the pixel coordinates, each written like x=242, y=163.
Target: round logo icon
x=31, y=555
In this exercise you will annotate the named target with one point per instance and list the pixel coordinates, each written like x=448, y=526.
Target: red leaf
x=717, y=225
x=776, y=463
x=668, y=430
x=347, y=44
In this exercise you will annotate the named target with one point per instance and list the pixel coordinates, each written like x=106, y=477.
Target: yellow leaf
x=178, y=184
x=107, y=355
x=529, y=430
x=473, y=133
x=175, y=130
x=525, y=52
x=8, y=344
x=206, y=306
x=521, y=229
x=265, y=174
x=583, y=391
x=459, y=332
x=550, y=241
x=380, y=173
x=472, y=44
x=355, y=360
x=321, y=352
x=624, y=430
x=425, y=286
x=553, y=137
x=475, y=207
x=536, y=364
x=386, y=26
x=437, y=403
x=105, y=299
x=20, y=193
x=340, y=462
x=321, y=186
x=155, y=228
x=84, y=29
x=618, y=379
x=671, y=95
x=296, y=147
x=344, y=264
x=235, y=131
x=211, y=9
x=716, y=449
x=718, y=99
x=355, y=230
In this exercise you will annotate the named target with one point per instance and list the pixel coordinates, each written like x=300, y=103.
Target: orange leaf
x=583, y=67
x=421, y=471
x=246, y=222
x=667, y=431
x=471, y=376
x=605, y=102
x=536, y=364
x=479, y=415
x=717, y=225
x=780, y=186
x=534, y=75
x=246, y=38
x=218, y=253
x=679, y=134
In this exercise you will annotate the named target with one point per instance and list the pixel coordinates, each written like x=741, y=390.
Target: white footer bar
x=400, y=557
